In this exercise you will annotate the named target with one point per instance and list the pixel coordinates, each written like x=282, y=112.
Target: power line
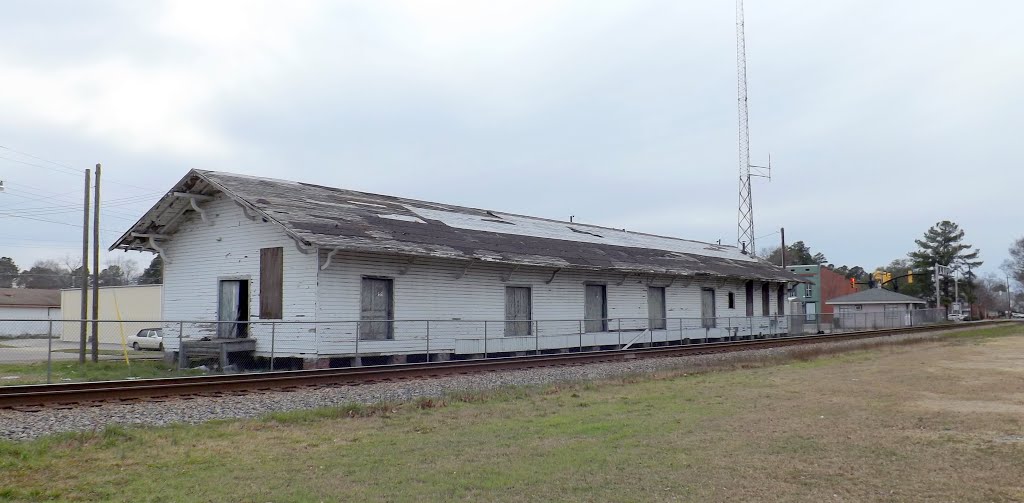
x=73, y=171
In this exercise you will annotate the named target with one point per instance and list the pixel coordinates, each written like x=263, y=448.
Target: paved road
x=34, y=350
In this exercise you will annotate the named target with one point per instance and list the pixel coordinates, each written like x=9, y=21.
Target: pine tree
x=8, y=272
x=154, y=274
x=943, y=244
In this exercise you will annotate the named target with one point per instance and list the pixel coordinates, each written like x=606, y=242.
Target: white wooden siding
x=425, y=289
x=429, y=290
x=201, y=254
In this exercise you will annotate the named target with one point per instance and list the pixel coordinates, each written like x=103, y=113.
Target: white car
x=147, y=338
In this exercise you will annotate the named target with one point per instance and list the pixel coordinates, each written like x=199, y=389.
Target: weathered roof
x=876, y=296
x=330, y=218
x=29, y=297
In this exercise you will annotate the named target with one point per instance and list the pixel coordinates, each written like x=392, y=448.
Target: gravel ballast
x=24, y=425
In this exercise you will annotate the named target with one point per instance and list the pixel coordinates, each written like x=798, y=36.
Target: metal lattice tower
x=745, y=226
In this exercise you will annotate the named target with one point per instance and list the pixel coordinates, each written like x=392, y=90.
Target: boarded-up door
x=376, y=309
x=233, y=308
x=656, y=307
x=517, y=307
x=595, y=309
x=707, y=308
x=271, y=283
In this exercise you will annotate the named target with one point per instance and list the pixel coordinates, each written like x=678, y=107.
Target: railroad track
x=83, y=393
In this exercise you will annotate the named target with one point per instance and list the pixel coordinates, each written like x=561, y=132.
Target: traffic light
x=910, y=277
x=853, y=284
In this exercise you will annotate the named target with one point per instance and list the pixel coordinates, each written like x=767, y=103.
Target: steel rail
x=124, y=390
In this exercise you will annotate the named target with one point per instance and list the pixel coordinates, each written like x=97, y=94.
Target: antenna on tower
x=745, y=226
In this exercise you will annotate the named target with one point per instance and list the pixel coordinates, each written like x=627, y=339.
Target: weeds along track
x=86, y=393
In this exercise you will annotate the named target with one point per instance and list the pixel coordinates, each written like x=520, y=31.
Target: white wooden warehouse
x=325, y=263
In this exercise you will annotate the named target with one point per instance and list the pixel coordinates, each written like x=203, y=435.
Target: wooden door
x=707, y=308
x=376, y=309
x=518, y=311
x=595, y=308
x=656, y=307
x=233, y=306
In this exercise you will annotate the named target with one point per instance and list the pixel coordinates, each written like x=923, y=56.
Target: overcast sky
x=881, y=117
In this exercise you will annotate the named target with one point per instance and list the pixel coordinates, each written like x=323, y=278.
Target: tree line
x=943, y=243
x=67, y=273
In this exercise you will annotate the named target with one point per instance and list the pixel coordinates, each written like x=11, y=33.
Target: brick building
x=823, y=285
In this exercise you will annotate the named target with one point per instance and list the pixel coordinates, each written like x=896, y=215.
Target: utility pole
x=782, y=230
x=96, y=269
x=85, y=272
x=1009, y=303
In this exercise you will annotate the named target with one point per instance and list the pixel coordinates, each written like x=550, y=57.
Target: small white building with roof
x=875, y=308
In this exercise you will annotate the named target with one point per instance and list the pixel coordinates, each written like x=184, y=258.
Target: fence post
x=181, y=348
x=357, y=343
x=619, y=322
x=49, y=349
x=485, y=339
x=536, y=337
x=273, y=343
x=751, y=318
x=581, y=335
x=428, y=340
x=680, y=331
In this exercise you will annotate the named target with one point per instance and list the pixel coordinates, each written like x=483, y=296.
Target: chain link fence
x=45, y=351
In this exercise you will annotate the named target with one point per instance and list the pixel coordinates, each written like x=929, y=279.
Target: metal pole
x=619, y=321
x=273, y=341
x=96, y=268
x=536, y=337
x=181, y=349
x=49, y=349
x=428, y=340
x=1009, y=303
x=782, y=230
x=357, y=340
x=581, y=335
x=680, y=331
x=85, y=272
x=485, y=339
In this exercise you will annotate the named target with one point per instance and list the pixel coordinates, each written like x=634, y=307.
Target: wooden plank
x=271, y=283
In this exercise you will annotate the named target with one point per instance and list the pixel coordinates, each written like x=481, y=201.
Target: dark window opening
x=377, y=309
x=595, y=308
x=732, y=300
x=518, y=311
x=656, y=308
x=271, y=283
x=765, y=300
x=233, y=308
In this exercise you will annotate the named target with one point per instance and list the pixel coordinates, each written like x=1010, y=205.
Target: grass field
x=940, y=421
x=71, y=370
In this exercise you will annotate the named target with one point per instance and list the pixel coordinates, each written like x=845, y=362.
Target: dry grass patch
x=860, y=426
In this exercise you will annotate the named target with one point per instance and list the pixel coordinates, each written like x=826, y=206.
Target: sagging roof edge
x=123, y=242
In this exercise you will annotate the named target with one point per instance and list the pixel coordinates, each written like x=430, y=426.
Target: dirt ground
x=932, y=421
